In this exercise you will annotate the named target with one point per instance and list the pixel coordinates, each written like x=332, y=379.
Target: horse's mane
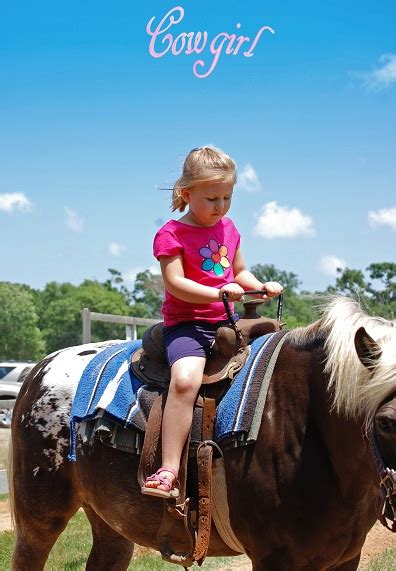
x=357, y=390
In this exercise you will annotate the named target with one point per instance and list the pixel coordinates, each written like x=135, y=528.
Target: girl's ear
x=185, y=193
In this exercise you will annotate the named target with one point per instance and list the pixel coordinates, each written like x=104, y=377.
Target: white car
x=12, y=375
x=14, y=371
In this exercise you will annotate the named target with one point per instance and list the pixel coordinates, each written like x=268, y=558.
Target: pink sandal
x=170, y=490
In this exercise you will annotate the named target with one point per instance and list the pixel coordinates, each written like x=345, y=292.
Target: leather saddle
x=228, y=355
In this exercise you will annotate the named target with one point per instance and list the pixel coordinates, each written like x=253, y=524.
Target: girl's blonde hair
x=204, y=164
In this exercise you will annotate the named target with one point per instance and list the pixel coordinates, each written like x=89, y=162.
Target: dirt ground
x=5, y=516
x=378, y=540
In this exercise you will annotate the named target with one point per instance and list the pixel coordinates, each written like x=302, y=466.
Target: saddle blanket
x=109, y=389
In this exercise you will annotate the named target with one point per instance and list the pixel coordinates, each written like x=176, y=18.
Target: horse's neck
x=348, y=450
x=301, y=435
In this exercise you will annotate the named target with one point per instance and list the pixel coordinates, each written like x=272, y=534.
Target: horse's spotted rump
x=50, y=414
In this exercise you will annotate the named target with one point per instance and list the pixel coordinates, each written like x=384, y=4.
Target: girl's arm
x=248, y=281
x=183, y=288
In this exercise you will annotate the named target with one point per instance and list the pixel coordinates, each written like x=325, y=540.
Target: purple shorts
x=190, y=339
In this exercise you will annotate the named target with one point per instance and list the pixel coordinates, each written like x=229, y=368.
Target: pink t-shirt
x=207, y=254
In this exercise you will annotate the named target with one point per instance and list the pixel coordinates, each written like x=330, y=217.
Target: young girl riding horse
x=200, y=259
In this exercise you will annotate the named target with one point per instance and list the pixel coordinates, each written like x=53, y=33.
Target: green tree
x=20, y=337
x=53, y=291
x=269, y=273
x=149, y=290
x=377, y=301
x=116, y=282
x=298, y=309
x=351, y=282
x=385, y=272
x=60, y=312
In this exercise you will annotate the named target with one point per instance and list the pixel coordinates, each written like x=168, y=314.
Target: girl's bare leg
x=186, y=378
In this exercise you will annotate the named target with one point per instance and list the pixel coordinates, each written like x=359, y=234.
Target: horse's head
x=369, y=353
x=385, y=424
x=382, y=432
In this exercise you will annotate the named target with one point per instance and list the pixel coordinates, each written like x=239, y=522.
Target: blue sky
x=92, y=127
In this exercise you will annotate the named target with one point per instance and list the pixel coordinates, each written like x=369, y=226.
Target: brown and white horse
x=301, y=498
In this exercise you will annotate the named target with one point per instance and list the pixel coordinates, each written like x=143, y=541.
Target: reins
x=386, y=508
x=250, y=292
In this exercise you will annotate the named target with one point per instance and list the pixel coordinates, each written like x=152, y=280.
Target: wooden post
x=86, y=325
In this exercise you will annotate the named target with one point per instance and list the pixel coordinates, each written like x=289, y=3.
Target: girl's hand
x=272, y=289
x=233, y=290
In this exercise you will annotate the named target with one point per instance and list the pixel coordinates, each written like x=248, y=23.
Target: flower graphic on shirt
x=215, y=257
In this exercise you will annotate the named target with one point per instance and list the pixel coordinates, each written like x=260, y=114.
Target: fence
x=129, y=322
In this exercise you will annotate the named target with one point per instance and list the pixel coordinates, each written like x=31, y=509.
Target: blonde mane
x=357, y=391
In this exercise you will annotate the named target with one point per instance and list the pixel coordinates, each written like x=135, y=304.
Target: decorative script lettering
x=190, y=43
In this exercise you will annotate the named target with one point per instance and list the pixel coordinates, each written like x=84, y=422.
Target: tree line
x=37, y=322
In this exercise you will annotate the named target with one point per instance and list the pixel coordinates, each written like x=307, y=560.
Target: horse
x=302, y=497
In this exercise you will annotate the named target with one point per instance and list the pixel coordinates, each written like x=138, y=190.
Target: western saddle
x=229, y=353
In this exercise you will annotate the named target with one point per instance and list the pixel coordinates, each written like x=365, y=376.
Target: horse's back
x=44, y=402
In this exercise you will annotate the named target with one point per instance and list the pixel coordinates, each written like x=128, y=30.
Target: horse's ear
x=367, y=349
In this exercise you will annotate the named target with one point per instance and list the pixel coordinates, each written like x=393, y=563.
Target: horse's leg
x=45, y=496
x=110, y=550
x=279, y=559
x=38, y=525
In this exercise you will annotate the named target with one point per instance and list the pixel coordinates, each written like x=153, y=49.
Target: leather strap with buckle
x=386, y=504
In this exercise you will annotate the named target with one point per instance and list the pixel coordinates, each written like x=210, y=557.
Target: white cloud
x=384, y=75
x=73, y=220
x=383, y=217
x=116, y=249
x=329, y=264
x=283, y=222
x=130, y=275
x=14, y=201
x=248, y=179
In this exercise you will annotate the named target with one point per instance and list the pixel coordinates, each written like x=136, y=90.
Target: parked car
x=14, y=371
x=12, y=375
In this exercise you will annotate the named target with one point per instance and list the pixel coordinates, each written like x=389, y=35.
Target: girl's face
x=207, y=202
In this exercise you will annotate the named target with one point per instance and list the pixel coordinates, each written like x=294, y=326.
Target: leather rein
x=386, y=502
x=250, y=292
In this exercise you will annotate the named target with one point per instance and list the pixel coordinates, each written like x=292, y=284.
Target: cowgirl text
x=191, y=43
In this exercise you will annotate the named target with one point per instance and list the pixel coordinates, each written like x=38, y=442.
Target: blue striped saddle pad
x=109, y=390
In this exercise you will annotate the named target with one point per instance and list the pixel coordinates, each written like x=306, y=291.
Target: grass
x=71, y=551
x=384, y=562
